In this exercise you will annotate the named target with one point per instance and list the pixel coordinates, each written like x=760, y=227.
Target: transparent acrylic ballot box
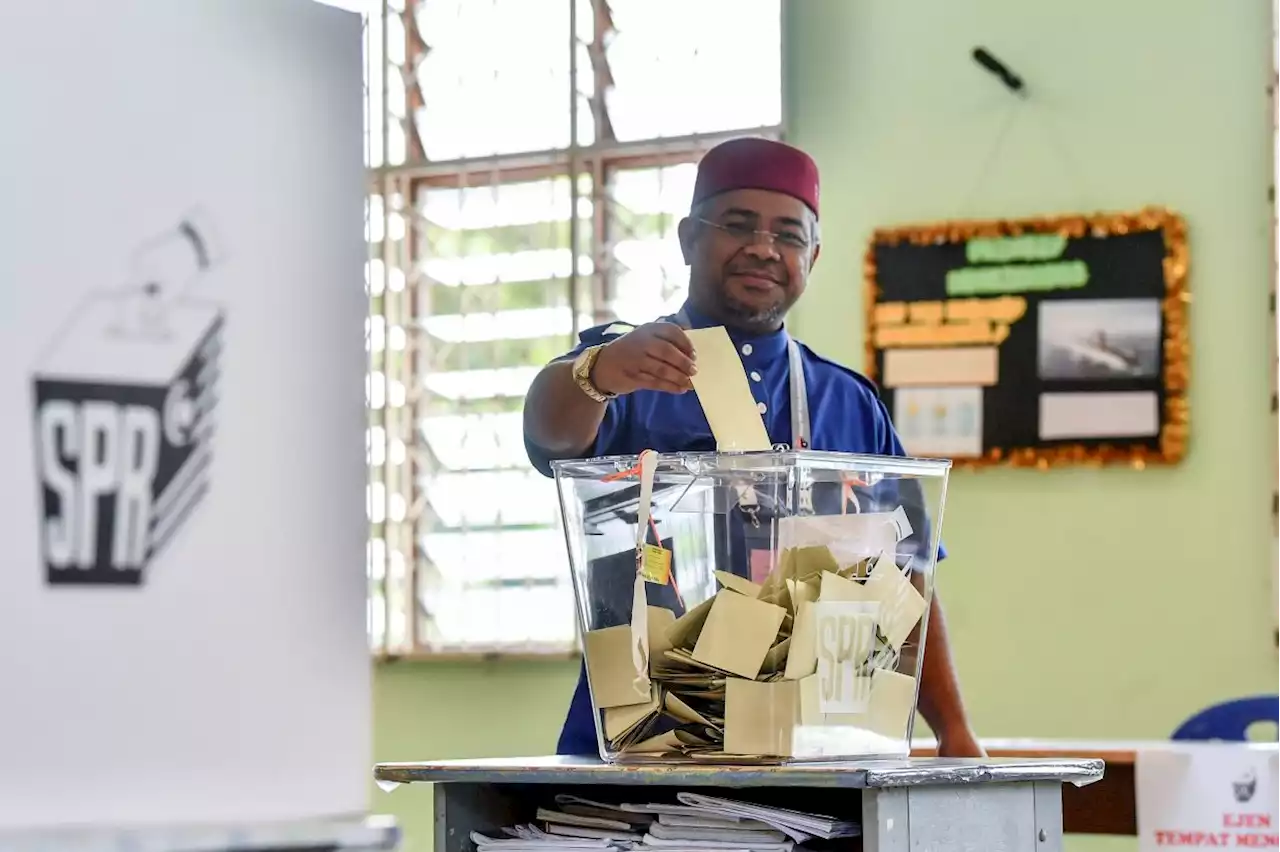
x=762, y=606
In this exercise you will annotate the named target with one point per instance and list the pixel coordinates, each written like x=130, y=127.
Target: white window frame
x=395, y=514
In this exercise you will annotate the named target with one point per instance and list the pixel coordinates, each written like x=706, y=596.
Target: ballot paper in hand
x=723, y=392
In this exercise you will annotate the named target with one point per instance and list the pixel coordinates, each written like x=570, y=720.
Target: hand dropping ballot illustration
x=125, y=396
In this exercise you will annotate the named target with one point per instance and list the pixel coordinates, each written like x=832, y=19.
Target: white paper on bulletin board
x=1207, y=796
x=182, y=605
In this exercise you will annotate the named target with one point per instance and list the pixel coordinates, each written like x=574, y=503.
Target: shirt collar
x=768, y=345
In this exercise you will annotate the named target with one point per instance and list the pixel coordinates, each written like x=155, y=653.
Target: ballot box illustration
x=768, y=605
x=125, y=396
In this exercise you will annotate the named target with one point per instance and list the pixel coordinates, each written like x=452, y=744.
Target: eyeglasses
x=747, y=235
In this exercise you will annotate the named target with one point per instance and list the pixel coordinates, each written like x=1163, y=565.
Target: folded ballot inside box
x=761, y=606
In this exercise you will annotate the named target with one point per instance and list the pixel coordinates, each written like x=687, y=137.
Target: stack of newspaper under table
x=694, y=823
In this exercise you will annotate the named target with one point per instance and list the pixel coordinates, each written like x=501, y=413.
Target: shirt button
x=764, y=409
x=746, y=349
x=755, y=376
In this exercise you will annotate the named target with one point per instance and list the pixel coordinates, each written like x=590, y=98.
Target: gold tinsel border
x=1177, y=339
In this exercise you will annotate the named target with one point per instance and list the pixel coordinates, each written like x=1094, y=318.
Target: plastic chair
x=1230, y=720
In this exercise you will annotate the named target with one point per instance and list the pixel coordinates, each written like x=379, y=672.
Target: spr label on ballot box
x=124, y=404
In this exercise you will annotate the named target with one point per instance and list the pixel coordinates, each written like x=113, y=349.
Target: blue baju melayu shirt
x=845, y=411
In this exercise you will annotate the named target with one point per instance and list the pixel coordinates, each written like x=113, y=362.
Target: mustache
x=775, y=275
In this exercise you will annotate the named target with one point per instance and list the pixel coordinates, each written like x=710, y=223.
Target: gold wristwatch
x=582, y=367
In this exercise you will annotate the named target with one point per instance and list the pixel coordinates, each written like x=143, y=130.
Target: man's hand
x=657, y=356
x=960, y=743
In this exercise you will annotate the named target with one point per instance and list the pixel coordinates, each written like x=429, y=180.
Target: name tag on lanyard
x=799, y=417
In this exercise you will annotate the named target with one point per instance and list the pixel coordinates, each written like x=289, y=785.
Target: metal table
x=934, y=804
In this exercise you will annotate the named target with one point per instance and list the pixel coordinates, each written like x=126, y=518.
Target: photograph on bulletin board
x=1033, y=342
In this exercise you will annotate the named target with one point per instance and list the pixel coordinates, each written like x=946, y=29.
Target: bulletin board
x=1033, y=342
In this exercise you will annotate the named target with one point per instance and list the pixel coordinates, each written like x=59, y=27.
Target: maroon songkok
x=751, y=163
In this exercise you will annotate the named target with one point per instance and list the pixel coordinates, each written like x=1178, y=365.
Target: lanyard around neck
x=799, y=393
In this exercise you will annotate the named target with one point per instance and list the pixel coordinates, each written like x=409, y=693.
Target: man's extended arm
x=563, y=421
x=558, y=417
x=940, y=702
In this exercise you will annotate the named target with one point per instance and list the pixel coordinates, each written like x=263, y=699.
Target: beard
x=741, y=314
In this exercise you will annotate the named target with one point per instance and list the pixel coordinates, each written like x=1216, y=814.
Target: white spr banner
x=182, y=371
x=1211, y=796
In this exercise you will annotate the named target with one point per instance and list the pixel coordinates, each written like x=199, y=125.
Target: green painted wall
x=454, y=710
x=1082, y=603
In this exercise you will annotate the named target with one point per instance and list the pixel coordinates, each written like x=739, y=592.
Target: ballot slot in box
x=761, y=606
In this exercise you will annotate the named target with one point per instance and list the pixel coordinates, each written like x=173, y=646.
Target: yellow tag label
x=655, y=564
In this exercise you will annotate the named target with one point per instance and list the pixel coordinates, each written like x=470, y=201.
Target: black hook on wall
x=1003, y=72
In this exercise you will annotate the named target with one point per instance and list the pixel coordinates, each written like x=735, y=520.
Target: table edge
x=877, y=774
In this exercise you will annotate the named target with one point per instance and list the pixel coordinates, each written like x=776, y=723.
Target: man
x=750, y=240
